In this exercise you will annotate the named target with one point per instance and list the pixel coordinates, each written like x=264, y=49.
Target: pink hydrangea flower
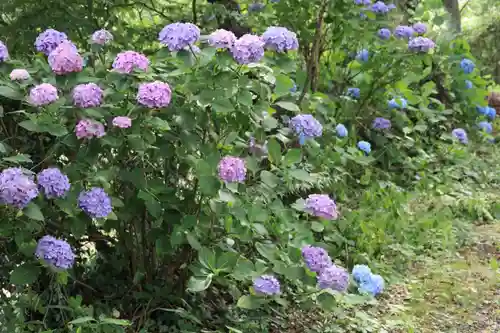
x=43, y=94
x=154, y=95
x=122, y=122
x=126, y=62
x=19, y=75
x=321, y=205
x=65, y=59
x=232, y=169
x=87, y=129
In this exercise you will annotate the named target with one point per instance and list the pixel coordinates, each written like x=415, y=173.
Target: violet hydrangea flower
x=420, y=28
x=280, y=39
x=48, y=40
x=461, y=135
x=127, y=61
x=17, y=188
x=363, y=55
x=468, y=84
x=341, y=131
x=379, y=7
x=4, y=52
x=248, y=49
x=65, y=59
x=306, y=127
x=421, y=44
x=222, y=39
x=122, y=122
x=354, y=92
x=19, y=75
x=154, y=95
x=232, y=169
x=404, y=31
x=485, y=126
x=333, y=277
x=365, y=147
x=95, y=202
x=381, y=123
x=177, y=36
x=321, y=205
x=267, y=285
x=87, y=95
x=316, y=258
x=384, y=33
x=53, y=183
x=43, y=94
x=55, y=252
x=102, y=37
x=87, y=129
x=363, y=2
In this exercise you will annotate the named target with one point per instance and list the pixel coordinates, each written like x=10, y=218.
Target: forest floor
x=451, y=293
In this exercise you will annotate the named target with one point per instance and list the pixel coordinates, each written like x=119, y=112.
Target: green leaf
x=289, y=106
x=81, y=320
x=30, y=126
x=245, y=97
x=293, y=156
x=283, y=85
x=249, y=302
x=154, y=206
x=199, y=284
x=222, y=106
x=268, y=251
x=20, y=158
x=113, y=321
x=243, y=269
x=327, y=301
x=301, y=175
x=274, y=150
x=226, y=196
x=33, y=212
x=10, y=93
x=193, y=241
x=24, y=274
x=317, y=227
x=209, y=185
x=269, y=179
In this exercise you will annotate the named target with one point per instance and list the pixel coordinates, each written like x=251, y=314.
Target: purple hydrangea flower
x=232, y=169
x=321, y=205
x=19, y=75
x=379, y=8
x=341, y=131
x=87, y=95
x=404, y=31
x=280, y=39
x=363, y=55
x=43, y=94
x=4, y=52
x=333, y=277
x=363, y=2
x=256, y=7
x=461, y=135
x=485, y=126
x=316, y=258
x=248, y=49
x=87, y=129
x=48, y=40
x=467, y=66
x=65, y=59
x=95, y=202
x=16, y=188
x=381, y=123
x=127, y=61
x=353, y=92
x=361, y=273
x=365, y=147
x=267, y=285
x=177, y=36
x=374, y=285
x=468, y=84
x=154, y=95
x=306, y=127
x=102, y=37
x=55, y=252
x=399, y=103
x=122, y=122
x=53, y=183
x=384, y=33
x=222, y=39
x=420, y=28
x=421, y=44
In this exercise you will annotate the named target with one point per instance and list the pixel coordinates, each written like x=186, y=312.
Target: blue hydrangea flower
x=316, y=258
x=364, y=146
x=374, y=285
x=55, y=252
x=384, y=33
x=461, y=135
x=404, y=31
x=256, y=7
x=484, y=110
x=361, y=273
x=95, y=202
x=381, y=123
x=421, y=44
x=267, y=285
x=468, y=84
x=341, y=131
x=363, y=2
x=53, y=183
x=333, y=277
x=16, y=188
x=491, y=113
x=420, y=28
x=363, y=55
x=48, y=40
x=280, y=39
x=353, y=92
x=177, y=36
x=399, y=103
x=380, y=7
x=306, y=127
x=485, y=126
x=467, y=66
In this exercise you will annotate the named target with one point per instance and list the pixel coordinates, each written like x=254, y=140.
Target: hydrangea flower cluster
x=321, y=205
x=485, y=126
x=354, y=93
x=19, y=75
x=334, y=277
x=467, y=66
x=127, y=61
x=102, y=37
x=177, y=36
x=380, y=7
x=154, y=95
x=363, y=2
x=48, y=40
x=399, y=103
x=222, y=39
x=419, y=28
x=367, y=281
x=341, y=131
x=306, y=127
x=363, y=55
x=365, y=147
x=55, y=252
x=53, y=183
x=421, y=44
x=4, y=52
x=87, y=95
x=122, y=122
x=87, y=129
x=381, y=123
x=232, y=169
x=248, y=49
x=280, y=39
x=17, y=188
x=95, y=202
x=266, y=285
x=256, y=7
x=487, y=111
x=384, y=33
x=461, y=135
x=65, y=59
x=43, y=94
x=316, y=258
x=404, y=31
x=468, y=84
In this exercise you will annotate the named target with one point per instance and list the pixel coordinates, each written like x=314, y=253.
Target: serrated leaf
x=268, y=251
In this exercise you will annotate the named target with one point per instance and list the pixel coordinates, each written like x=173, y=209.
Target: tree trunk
x=454, y=9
